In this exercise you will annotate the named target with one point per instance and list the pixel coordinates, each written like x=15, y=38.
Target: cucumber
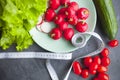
x=107, y=17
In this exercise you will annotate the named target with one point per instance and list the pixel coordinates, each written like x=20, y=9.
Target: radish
x=68, y=33
x=81, y=26
x=62, y=11
x=74, y=6
x=58, y=19
x=73, y=20
x=54, y=4
x=55, y=33
x=49, y=15
x=46, y=27
x=64, y=2
x=83, y=13
x=69, y=12
x=63, y=25
x=39, y=28
x=40, y=20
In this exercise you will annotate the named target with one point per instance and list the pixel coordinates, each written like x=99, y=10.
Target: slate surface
x=34, y=69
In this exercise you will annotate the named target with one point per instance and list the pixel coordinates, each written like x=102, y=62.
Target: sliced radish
x=46, y=27
x=40, y=20
x=38, y=28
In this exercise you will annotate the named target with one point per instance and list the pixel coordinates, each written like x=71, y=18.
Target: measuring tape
x=42, y=55
x=59, y=56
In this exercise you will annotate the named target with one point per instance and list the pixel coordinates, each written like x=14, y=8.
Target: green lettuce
x=17, y=17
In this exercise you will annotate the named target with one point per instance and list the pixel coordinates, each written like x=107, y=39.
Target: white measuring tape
x=42, y=55
x=59, y=56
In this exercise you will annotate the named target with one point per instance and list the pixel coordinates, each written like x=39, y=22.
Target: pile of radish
x=64, y=13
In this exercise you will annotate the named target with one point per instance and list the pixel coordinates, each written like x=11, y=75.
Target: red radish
x=46, y=27
x=74, y=6
x=113, y=43
x=63, y=25
x=54, y=4
x=58, y=19
x=105, y=52
x=69, y=12
x=77, y=68
x=105, y=61
x=83, y=13
x=92, y=72
x=68, y=33
x=87, y=61
x=96, y=59
x=64, y=2
x=62, y=11
x=102, y=68
x=103, y=76
x=55, y=33
x=85, y=73
x=81, y=26
x=49, y=15
x=72, y=20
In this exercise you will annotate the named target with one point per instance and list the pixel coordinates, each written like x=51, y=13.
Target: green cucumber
x=107, y=17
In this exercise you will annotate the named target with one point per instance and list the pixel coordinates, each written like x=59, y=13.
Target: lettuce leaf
x=17, y=17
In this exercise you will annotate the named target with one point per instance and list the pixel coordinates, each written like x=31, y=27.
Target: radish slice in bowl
x=46, y=27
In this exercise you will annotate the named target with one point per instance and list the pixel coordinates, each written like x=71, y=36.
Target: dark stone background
x=34, y=69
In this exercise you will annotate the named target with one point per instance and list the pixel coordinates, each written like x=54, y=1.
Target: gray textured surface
x=34, y=69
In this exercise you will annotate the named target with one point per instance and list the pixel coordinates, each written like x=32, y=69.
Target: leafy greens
x=17, y=17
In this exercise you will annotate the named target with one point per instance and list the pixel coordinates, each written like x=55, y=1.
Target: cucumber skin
x=107, y=17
